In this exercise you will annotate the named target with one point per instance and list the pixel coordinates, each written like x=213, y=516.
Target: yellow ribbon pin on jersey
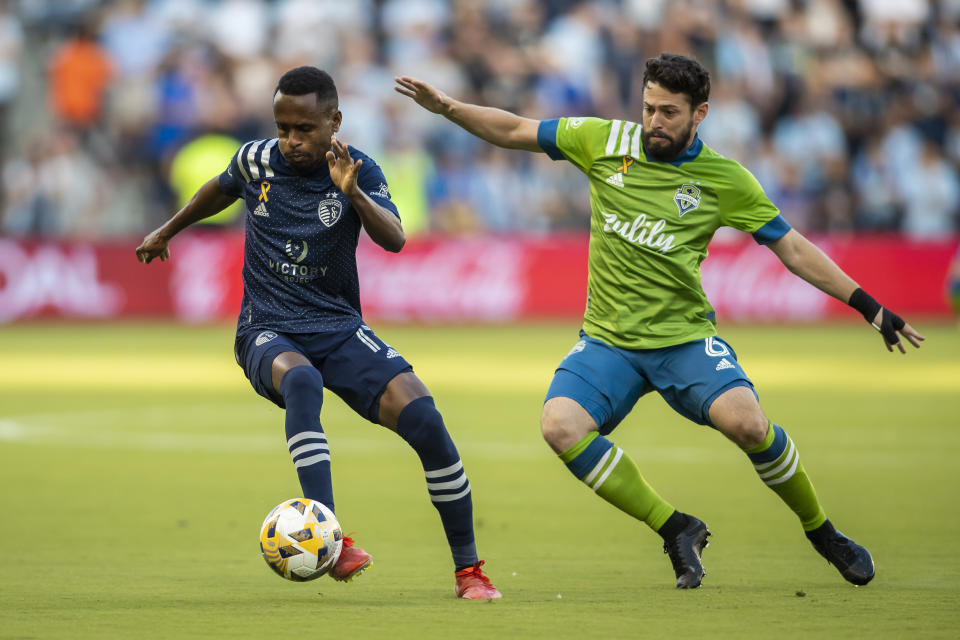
x=264, y=187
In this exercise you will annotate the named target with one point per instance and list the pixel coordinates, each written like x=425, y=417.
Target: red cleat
x=473, y=585
x=351, y=563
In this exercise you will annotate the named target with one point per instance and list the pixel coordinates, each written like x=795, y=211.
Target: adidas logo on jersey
x=616, y=180
x=392, y=353
x=261, y=210
x=724, y=364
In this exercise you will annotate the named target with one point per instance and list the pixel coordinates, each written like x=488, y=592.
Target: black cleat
x=852, y=561
x=684, y=550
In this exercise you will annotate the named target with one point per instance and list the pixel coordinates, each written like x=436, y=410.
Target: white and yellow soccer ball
x=301, y=539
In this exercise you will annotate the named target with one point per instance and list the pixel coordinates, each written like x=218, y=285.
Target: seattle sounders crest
x=687, y=198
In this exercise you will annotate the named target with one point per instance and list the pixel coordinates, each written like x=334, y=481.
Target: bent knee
x=749, y=431
x=562, y=428
x=300, y=379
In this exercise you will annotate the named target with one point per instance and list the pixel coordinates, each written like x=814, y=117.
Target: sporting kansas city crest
x=687, y=198
x=330, y=210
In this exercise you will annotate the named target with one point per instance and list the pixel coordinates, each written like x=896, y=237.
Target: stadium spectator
x=80, y=74
x=823, y=79
x=11, y=41
x=932, y=195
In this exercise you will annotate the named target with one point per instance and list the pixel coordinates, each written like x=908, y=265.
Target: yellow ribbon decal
x=264, y=187
x=627, y=161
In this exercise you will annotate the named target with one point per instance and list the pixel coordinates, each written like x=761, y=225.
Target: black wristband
x=865, y=304
x=890, y=322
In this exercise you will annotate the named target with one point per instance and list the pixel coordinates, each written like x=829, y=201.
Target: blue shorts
x=355, y=364
x=608, y=381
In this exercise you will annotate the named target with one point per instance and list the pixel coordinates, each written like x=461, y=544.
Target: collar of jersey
x=691, y=152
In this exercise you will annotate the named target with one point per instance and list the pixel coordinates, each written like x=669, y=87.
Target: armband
x=890, y=322
x=865, y=304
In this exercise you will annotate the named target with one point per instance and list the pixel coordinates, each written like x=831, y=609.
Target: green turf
x=136, y=466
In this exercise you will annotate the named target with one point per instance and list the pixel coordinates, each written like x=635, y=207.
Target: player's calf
x=421, y=425
x=302, y=390
x=776, y=461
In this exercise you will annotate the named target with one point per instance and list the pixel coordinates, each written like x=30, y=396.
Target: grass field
x=136, y=465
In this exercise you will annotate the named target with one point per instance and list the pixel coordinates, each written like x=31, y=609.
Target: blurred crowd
x=113, y=112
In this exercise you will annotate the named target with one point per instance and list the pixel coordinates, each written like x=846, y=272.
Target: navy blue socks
x=302, y=389
x=421, y=425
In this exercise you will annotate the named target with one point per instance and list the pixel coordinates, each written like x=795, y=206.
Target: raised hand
x=422, y=93
x=343, y=170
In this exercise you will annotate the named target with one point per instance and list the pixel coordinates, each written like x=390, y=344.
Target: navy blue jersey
x=300, y=258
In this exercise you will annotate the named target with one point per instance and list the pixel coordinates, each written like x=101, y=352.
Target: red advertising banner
x=478, y=278
x=487, y=278
x=104, y=280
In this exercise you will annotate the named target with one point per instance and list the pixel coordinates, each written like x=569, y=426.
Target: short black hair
x=305, y=80
x=679, y=74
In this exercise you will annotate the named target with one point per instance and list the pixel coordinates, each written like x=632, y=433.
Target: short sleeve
x=231, y=182
x=372, y=182
x=748, y=209
x=579, y=140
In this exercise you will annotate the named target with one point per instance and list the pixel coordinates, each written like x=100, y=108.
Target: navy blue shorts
x=608, y=381
x=355, y=364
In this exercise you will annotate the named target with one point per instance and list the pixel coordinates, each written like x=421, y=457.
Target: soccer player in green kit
x=657, y=195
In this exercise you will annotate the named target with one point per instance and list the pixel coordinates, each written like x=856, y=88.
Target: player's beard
x=665, y=151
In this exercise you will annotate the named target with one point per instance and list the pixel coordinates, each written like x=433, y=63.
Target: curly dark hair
x=304, y=80
x=679, y=74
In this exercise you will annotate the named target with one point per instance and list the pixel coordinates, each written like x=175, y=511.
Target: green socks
x=611, y=473
x=777, y=462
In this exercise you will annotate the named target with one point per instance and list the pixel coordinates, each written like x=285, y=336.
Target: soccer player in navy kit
x=300, y=327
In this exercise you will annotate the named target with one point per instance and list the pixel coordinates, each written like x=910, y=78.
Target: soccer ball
x=301, y=539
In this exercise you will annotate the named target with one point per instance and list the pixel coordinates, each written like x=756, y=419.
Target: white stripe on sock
x=313, y=446
x=439, y=473
x=453, y=497
x=787, y=475
x=303, y=435
x=306, y=462
x=606, y=473
x=453, y=484
x=783, y=464
x=596, y=469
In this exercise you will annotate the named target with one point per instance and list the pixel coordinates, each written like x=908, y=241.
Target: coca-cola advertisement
x=481, y=278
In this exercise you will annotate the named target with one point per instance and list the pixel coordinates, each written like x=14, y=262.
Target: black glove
x=890, y=322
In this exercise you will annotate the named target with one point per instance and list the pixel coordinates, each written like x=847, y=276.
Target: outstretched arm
x=496, y=126
x=207, y=201
x=807, y=261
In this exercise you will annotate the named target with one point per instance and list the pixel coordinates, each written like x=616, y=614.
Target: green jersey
x=650, y=226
